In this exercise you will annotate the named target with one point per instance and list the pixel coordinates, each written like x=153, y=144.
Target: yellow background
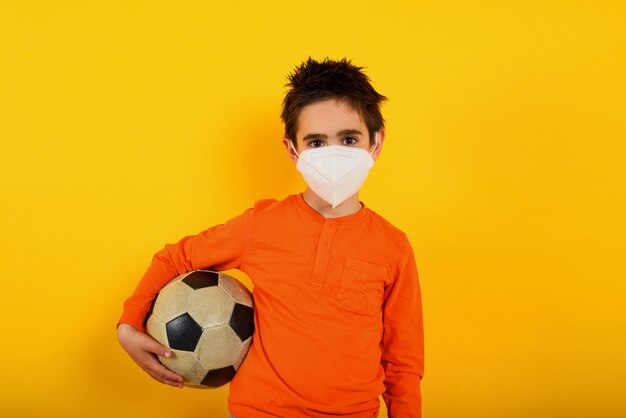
x=126, y=125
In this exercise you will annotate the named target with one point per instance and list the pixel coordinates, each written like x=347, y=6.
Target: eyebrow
x=340, y=133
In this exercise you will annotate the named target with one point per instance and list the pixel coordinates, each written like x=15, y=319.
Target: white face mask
x=335, y=172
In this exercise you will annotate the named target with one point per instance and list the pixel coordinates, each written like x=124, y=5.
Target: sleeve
x=403, y=339
x=220, y=247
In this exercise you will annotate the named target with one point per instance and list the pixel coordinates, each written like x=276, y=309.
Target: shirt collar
x=313, y=214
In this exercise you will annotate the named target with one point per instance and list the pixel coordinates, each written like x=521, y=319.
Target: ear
x=379, y=147
x=290, y=151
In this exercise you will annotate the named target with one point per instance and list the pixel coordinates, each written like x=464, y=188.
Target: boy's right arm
x=220, y=247
x=143, y=349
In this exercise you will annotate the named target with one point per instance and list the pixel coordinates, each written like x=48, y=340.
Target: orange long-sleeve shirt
x=337, y=309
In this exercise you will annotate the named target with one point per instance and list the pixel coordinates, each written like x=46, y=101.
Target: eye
x=350, y=140
x=316, y=143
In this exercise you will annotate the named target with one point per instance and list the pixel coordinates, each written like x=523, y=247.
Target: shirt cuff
x=133, y=315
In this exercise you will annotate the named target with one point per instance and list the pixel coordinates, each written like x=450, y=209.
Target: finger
x=166, y=373
x=159, y=378
x=153, y=346
x=152, y=363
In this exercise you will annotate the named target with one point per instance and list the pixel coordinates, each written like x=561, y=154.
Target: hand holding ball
x=206, y=318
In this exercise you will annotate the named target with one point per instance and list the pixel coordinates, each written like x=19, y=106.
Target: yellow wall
x=129, y=124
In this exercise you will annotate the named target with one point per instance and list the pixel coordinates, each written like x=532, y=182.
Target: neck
x=348, y=207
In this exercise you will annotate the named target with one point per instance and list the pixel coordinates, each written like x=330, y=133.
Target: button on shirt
x=337, y=309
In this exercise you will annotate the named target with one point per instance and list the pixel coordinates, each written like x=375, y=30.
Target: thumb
x=155, y=347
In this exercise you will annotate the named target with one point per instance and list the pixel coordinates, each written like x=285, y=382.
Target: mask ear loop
x=294, y=147
x=375, y=143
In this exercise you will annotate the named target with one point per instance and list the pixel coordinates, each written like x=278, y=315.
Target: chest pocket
x=361, y=286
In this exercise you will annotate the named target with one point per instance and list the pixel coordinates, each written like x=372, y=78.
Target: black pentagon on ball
x=183, y=333
x=242, y=321
x=218, y=377
x=201, y=278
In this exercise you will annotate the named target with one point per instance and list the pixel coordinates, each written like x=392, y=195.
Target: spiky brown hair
x=314, y=81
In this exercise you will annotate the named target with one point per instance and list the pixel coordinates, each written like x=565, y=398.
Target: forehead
x=329, y=116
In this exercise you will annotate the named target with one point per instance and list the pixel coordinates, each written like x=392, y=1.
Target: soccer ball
x=206, y=318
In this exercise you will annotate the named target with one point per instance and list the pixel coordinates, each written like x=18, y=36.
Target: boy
x=338, y=313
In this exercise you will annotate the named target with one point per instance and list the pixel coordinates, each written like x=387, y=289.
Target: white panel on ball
x=156, y=329
x=236, y=290
x=185, y=363
x=245, y=346
x=218, y=347
x=173, y=301
x=210, y=306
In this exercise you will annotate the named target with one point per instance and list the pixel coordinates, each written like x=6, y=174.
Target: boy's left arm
x=403, y=339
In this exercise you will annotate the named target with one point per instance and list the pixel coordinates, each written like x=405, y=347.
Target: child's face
x=332, y=122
